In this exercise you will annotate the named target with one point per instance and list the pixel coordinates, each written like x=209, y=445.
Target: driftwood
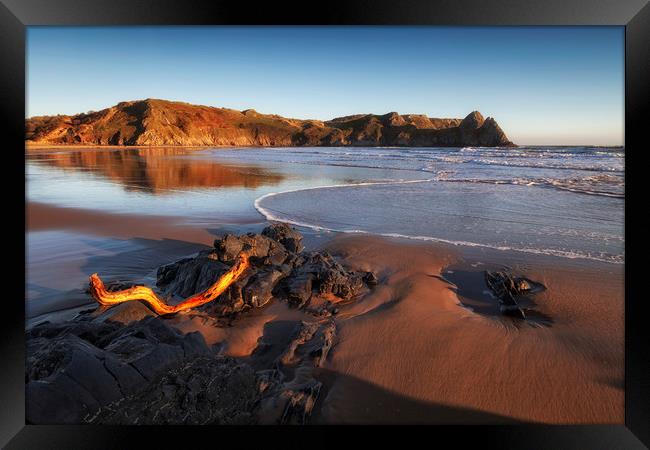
x=107, y=298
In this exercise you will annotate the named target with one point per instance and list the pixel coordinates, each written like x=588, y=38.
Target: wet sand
x=138, y=228
x=409, y=351
x=413, y=341
x=66, y=245
x=41, y=216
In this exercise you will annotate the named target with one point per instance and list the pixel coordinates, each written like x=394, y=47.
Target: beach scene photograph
x=239, y=225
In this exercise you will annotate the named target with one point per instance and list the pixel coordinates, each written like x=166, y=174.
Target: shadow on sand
x=350, y=400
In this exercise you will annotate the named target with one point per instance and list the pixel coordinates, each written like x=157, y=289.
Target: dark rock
x=214, y=390
x=299, y=289
x=325, y=339
x=329, y=276
x=126, y=365
x=59, y=402
x=274, y=257
x=320, y=306
x=70, y=371
x=190, y=276
x=167, y=274
x=233, y=300
x=151, y=346
x=87, y=369
x=300, y=402
x=128, y=378
x=304, y=332
x=194, y=345
x=512, y=311
x=125, y=313
x=268, y=379
x=291, y=401
x=503, y=286
x=508, y=289
x=75, y=368
x=311, y=340
x=285, y=235
x=158, y=359
x=370, y=279
x=83, y=328
x=228, y=247
x=259, y=290
x=277, y=256
x=261, y=249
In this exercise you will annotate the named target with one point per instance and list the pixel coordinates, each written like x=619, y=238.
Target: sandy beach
x=410, y=350
x=412, y=339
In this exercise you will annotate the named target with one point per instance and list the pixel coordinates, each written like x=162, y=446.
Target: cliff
x=154, y=122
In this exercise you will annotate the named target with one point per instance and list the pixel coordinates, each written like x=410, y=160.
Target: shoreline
x=462, y=244
x=31, y=145
x=411, y=351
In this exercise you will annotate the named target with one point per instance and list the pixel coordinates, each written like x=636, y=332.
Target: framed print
x=259, y=223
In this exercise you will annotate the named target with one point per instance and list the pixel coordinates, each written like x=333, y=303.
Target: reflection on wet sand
x=156, y=170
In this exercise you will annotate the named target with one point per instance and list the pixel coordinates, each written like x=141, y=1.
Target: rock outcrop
x=76, y=369
x=313, y=281
x=510, y=290
x=154, y=122
x=127, y=365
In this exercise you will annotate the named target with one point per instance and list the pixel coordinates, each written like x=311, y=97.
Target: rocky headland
x=154, y=122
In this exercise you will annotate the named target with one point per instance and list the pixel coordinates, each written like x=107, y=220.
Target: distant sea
x=562, y=201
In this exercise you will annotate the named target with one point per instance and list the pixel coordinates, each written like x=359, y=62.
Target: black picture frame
x=15, y=15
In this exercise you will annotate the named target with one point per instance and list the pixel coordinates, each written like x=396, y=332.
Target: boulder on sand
x=279, y=268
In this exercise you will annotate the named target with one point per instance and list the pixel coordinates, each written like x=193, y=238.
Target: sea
x=566, y=202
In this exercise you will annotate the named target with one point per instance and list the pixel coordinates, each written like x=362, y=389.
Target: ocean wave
x=268, y=213
x=575, y=185
x=428, y=164
x=604, y=185
x=420, y=158
x=509, y=162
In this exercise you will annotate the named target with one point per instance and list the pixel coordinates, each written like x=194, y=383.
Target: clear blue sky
x=543, y=85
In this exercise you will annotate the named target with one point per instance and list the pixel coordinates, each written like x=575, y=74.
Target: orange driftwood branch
x=106, y=298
